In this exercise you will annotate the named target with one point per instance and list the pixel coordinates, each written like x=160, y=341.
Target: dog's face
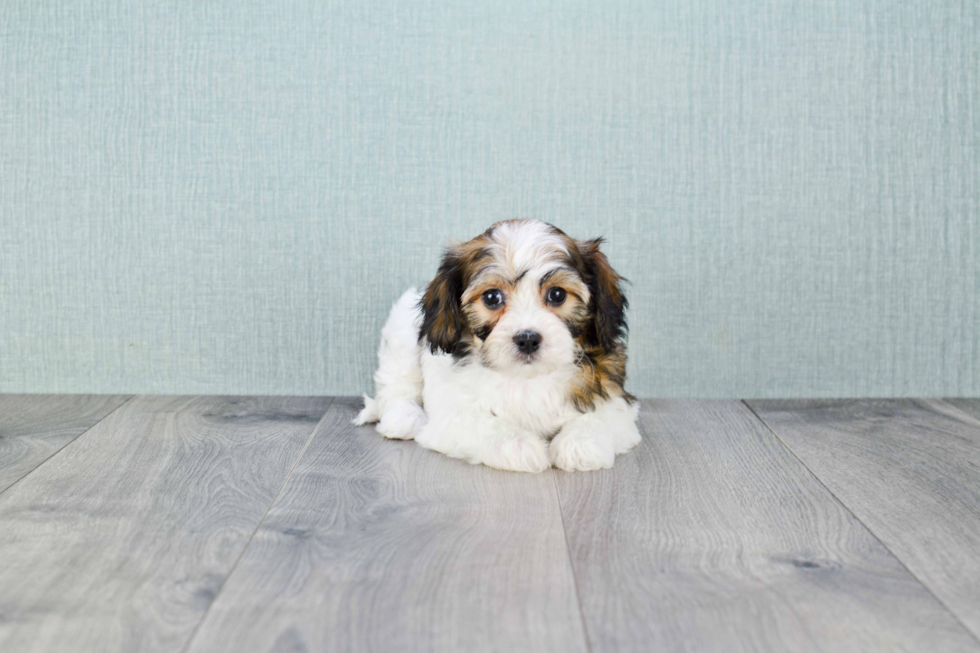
x=523, y=298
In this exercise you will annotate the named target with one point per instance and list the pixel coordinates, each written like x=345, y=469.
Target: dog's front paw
x=577, y=447
x=369, y=414
x=519, y=454
x=402, y=420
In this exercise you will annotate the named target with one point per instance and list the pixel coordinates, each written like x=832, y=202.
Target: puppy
x=517, y=352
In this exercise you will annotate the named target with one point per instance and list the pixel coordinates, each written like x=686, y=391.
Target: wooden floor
x=212, y=524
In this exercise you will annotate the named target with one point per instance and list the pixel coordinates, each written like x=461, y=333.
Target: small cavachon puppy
x=516, y=352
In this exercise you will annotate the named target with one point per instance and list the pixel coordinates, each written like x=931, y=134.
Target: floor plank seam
x=248, y=543
x=929, y=589
x=69, y=443
x=571, y=564
x=962, y=414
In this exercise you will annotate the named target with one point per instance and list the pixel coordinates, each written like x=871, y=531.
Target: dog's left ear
x=608, y=303
x=442, y=311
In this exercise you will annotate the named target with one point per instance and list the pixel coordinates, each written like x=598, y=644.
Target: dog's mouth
x=526, y=359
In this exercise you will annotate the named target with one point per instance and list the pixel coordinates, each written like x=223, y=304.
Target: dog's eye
x=556, y=296
x=493, y=298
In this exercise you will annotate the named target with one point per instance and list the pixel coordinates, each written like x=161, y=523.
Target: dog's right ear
x=443, y=321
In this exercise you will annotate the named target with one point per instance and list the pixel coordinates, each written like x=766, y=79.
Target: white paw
x=401, y=420
x=519, y=454
x=578, y=448
x=624, y=427
x=627, y=437
x=369, y=414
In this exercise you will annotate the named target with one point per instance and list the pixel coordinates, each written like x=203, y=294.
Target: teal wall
x=225, y=197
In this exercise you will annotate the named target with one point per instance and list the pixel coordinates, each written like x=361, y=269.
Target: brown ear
x=442, y=312
x=608, y=303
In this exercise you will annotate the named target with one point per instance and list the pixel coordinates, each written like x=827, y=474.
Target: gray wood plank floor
x=910, y=470
x=969, y=406
x=384, y=546
x=712, y=537
x=120, y=542
x=271, y=524
x=33, y=427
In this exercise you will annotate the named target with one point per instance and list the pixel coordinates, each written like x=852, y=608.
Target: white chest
x=538, y=404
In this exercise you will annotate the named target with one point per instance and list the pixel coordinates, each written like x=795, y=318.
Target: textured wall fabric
x=226, y=197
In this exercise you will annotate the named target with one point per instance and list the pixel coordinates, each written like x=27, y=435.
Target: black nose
x=528, y=342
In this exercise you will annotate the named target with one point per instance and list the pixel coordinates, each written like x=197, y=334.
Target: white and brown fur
x=487, y=401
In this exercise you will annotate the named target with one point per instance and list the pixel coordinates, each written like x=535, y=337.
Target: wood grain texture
x=378, y=545
x=910, y=470
x=969, y=406
x=121, y=541
x=34, y=427
x=711, y=536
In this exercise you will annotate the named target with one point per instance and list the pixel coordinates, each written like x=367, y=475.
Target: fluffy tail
x=398, y=380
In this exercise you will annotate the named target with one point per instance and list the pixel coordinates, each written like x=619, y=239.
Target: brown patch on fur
x=571, y=282
x=443, y=321
x=481, y=319
x=607, y=303
x=601, y=335
x=601, y=375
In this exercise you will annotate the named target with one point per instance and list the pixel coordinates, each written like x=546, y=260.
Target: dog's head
x=523, y=298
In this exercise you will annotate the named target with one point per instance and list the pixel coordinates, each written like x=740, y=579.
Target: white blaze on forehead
x=526, y=245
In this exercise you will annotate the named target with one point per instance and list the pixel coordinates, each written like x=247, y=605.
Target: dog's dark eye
x=493, y=298
x=556, y=296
